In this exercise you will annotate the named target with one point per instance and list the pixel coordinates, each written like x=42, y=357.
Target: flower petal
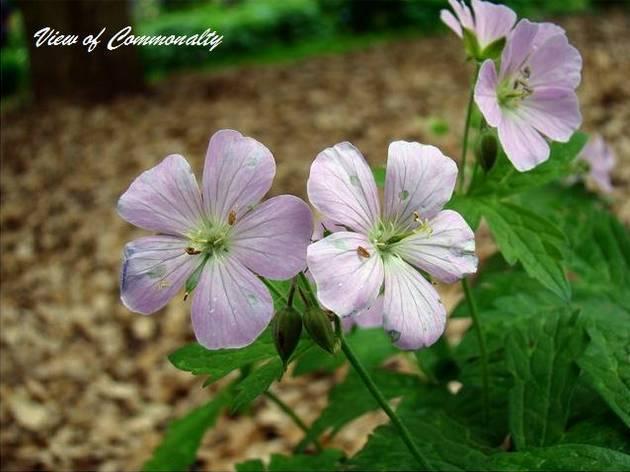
x=419, y=178
x=413, y=313
x=237, y=173
x=370, y=318
x=555, y=64
x=463, y=13
x=341, y=186
x=164, y=198
x=517, y=48
x=231, y=306
x=555, y=112
x=347, y=280
x=449, y=20
x=492, y=21
x=523, y=145
x=271, y=240
x=154, y=269
x=447, y=252
x=486, y=93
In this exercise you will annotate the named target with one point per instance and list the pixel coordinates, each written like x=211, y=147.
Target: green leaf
x=446, y=442
x=563, y=457
x=606, y=363
x=179, y=447
x=541, y=355
x=504, y=180
x=532, y=240
x=327, y=460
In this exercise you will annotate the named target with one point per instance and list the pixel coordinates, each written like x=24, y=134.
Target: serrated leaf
x=327, y=460
x=179, y=447
x=541, y=355
x=563, y=457
x=532, y=240
x=504, y=180
x=606, y=363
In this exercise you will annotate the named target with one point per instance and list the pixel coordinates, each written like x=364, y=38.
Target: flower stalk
x=469, y=109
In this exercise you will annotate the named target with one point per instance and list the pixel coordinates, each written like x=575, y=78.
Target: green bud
x=286, y=327
x=487, y=151
x=493, y=50
x=320, y=329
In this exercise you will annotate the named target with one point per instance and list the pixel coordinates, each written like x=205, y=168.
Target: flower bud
x=320, y=329
x=286, y=328
x=487, y=151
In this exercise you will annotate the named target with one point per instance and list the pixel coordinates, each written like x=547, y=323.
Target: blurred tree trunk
x=72, y=71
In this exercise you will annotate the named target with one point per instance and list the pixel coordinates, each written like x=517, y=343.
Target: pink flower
x=533, y=95
x=601, y=159
x=487, y=22
x=218, y=239
x=385, y=251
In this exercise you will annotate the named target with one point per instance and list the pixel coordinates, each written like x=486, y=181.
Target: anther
x=186, y=295
x=232, y=218
x=416, y=217
x=192, y=251
x=361, y=251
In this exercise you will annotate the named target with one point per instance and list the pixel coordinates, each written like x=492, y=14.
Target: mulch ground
x=85, y=383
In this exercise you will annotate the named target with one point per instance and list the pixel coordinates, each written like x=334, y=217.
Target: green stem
x=470, y=299
x=309, y=289
x=293, y=415
x=471, y=97
x=384, y=404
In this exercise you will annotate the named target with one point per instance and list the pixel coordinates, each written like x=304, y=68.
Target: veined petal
x=412, y=312
x=449, y=20
x=164, y=198
x=446, y=251
x=486, y=93
x=492, y=21
x=517, y=48
x=154, y=269
x=555, y=64
x=553, y=111
x=463, y=13
x=237, y=173
x=419, y=179
x=523, y=145
x=347, y=270
x=341, y=186
x=231, y=306
x=271, y=240
x=370, y=318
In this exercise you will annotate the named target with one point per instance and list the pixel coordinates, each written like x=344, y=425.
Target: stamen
x=192, y=251
x=232, y=218
x=186, y=295
x=361, y=251
x=416, y=217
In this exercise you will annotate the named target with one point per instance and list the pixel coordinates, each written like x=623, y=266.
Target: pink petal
x=517, y=48
x=523, y=145
x=463, y=13
x=347, y=282
x=492, y=21
x=271, y=240
x=154, y=269
x=370, y=318
x=231, y=306
x=555, y=64
x=165, y=198
x=419, y=179
x=546, y=31
x=447, y=252
x=322, y=225
x=341, y=186
x=601, y=159
x=555, y=112
x=486, y=93
x=413, y=314
x=238, y=172
x=449, y=20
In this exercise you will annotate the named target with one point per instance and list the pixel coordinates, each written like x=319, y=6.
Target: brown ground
x=86, y=384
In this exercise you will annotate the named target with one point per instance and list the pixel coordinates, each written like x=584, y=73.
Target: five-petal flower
x=216, y=241
x=385, y=251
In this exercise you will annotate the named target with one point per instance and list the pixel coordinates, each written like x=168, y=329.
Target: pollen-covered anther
x=232, y=218
x=361, y=251
x=186, y=295
x=192, y=251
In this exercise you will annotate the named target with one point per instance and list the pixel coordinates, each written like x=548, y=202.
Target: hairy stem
x=291, y=414
x=384, y=404
x=472, y=305
x=471, y=97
